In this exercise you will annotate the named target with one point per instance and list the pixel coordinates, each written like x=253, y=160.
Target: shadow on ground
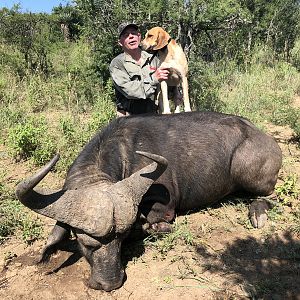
x=266, y=268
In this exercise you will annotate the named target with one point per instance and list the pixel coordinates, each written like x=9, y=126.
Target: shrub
x=15, y=219
x=288, y=190
x=11, y=59
x=204, y=84
x=296, y=129
x=295, y=55
x=262, y=93
x=285, y=114
x=30, y=139
x=103, y=109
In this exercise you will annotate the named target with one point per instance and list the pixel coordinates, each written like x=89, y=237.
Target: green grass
x=263, y=93
x=15, y=219
x=288, y=191
x=163, y=243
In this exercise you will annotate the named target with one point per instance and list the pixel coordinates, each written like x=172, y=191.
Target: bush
x=30, y=139
x=204, y=84
x=296, y=128
x=262, y=93
x=8, y=117
x=288, y=190
x=285, y=114
x=74, y=84
x=15, y=219
x=11, y=59
x=295, y=55
x=77, y=130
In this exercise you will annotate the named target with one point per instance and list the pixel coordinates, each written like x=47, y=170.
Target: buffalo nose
x=108, y=285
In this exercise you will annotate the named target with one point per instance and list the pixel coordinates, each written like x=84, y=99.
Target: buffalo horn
x=91, y=209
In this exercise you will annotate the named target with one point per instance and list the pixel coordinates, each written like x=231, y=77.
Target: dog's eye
x=150, y=35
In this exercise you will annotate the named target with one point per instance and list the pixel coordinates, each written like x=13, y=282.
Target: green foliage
x=23, y=139
x=180, y=232
x=31, y=35
x=296, y=128
x=263, y=92
x=11, y=59
x=287, y=194
x=208, y=30
x=103, y=109
x=70, y=21
x=76, y=130
x=205, y=80
x=296, y=225
x=14, y=218
x=285, y=114
x=295, y=55
x=30, y=139
x=8, y=117
x=275, y=213
x=288, y=191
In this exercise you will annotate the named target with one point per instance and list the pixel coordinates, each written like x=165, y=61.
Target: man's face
x=130, y=38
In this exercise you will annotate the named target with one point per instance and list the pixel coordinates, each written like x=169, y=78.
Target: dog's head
x=155, y=39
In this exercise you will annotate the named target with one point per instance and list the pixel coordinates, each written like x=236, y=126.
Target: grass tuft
x=180, y=233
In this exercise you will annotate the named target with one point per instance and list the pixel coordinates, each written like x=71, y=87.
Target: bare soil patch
x=227, y=259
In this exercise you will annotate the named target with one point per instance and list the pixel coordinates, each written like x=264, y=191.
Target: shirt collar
x=128, y=58
x=145, y=56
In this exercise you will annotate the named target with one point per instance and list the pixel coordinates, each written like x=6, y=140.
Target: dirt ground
x=227, y=259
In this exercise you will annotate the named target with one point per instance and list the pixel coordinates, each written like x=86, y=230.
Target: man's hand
x=161, y=74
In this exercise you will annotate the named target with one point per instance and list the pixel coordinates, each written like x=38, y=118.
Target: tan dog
x=172, y=57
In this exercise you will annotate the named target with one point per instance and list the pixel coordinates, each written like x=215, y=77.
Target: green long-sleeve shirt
x=133, y=81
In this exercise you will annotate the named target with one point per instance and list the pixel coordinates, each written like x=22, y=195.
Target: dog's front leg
x=185, y=91
x=164, y=95
x=177, y=99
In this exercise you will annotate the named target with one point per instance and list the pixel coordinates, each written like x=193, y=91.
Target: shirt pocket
x=134, y=76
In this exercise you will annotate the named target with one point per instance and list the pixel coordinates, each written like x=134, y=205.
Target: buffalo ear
x=162, y=39
x=129, y=192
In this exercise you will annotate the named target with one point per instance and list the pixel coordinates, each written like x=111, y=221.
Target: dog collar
x=156, y=51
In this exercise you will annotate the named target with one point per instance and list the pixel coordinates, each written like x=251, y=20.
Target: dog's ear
x=162, y=39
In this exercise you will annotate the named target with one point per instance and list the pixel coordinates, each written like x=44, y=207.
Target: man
x=135, y=74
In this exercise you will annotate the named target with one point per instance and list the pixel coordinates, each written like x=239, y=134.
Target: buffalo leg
x=60, y=232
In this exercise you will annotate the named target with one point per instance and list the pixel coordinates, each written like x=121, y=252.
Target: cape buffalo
x=199, y=157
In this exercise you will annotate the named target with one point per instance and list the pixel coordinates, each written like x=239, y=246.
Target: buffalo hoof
x=157, y=228
x=258, y=213
x=162, y=227
x=46, y=254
